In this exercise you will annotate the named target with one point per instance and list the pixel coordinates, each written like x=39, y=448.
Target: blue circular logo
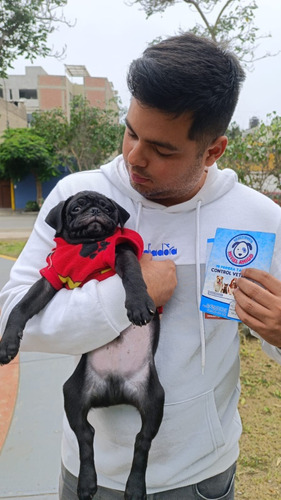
x=241, y=250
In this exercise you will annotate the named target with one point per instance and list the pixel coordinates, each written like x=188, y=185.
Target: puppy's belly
x=125, y=355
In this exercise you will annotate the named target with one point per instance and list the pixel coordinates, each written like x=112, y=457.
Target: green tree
x=233, y=131
x=52, y=126
x=90, y=138
x=23, y=152
x=230, y=22
x=256, y=155
x=24, y=29
x=273, y=142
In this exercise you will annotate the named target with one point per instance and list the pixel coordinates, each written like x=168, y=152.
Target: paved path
x=15, y=225
x=31, y=405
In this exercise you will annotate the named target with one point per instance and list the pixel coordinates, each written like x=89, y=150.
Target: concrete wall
x=12, y=116
x=12, y=85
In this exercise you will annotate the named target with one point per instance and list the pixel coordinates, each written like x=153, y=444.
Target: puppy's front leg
x=33, y=301
x=140, y=307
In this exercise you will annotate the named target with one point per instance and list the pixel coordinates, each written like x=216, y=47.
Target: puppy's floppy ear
x=123, y=215
x=54, y=217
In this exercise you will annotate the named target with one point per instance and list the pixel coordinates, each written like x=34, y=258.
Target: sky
x=109, y=34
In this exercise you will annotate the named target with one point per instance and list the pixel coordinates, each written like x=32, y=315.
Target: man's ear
x=215, y=150
x=54, y=217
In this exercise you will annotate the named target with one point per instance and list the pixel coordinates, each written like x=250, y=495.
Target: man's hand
x=259, y=307
x=160, y=278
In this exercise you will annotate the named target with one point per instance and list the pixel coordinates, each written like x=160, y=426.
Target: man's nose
x=138, y=156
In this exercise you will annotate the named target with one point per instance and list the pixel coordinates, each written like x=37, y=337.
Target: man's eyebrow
x=161, y=144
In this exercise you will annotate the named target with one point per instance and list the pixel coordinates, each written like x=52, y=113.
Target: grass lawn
x=11, y=248
x=259, y=465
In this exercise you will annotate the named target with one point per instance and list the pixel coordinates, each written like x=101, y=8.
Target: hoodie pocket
x=190, y=431
x=188, y=437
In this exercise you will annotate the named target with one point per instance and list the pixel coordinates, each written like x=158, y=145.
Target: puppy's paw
x=86, y=493
x=135, y=488
x=87, y=483
x=9, y=348
x=141, y=310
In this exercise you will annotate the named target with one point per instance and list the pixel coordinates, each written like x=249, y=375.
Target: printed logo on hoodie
x=165, y=249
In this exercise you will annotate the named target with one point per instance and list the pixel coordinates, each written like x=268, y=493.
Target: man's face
x=163, y=164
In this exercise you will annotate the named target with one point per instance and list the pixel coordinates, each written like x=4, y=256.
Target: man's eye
x=162, y=154
x=131, y=134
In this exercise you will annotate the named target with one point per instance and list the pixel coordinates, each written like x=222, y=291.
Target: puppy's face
x=241, y=249
x=86, y=216
x=90, y=216
x=233, y=283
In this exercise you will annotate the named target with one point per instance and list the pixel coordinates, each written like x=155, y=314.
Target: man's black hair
x=189, y=74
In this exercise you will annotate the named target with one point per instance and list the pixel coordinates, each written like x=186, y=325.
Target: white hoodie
x=197, y=358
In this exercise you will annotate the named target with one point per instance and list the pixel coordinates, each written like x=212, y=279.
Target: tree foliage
x=256, y=155
x=23, y=152
x=24, y=29
x=85, y=142
x=90, y=137
x=230, y=22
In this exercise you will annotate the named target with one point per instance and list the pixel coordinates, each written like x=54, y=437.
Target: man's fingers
x=249, y=292
x=265, y=279
x=258, y=304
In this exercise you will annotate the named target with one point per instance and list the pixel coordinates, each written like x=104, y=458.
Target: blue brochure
x=231, y=251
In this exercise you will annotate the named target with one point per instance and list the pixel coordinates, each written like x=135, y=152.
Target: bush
x=31, y=206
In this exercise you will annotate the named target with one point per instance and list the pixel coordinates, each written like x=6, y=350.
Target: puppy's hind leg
x=150, y=407
x=76, y=408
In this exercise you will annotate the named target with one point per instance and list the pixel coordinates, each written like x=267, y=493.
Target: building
x=58, y=91
x=23, y=89
x=39, y=91
x=21, y=95
x=12, y=115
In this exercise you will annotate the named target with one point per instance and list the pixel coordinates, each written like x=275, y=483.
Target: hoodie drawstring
x=198, y=287
x=138, y=216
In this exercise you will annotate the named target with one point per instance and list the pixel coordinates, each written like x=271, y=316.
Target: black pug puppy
x=91, y=245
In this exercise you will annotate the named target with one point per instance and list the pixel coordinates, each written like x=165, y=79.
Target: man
x=184, y=92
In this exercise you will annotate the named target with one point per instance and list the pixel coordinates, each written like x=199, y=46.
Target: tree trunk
x=38, y=191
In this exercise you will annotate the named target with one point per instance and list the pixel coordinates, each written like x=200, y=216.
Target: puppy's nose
x=95, y=211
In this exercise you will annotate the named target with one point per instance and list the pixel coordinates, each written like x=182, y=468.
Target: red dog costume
x=71, y=266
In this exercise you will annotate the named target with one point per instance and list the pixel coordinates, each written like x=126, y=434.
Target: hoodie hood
x=218, y=182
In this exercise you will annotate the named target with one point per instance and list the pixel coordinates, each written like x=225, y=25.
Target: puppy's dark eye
x=105, y=207
x=76, y=209
x=78, y=206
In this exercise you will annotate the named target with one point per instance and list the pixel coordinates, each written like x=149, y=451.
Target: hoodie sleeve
x=272, y=351
x=75, y=321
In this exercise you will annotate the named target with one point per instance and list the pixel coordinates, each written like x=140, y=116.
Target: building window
x=28, y=93
x=11, y=94
x=29, y=119
x=1, y=92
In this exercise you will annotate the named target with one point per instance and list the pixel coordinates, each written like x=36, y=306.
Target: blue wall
x=25, y=190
